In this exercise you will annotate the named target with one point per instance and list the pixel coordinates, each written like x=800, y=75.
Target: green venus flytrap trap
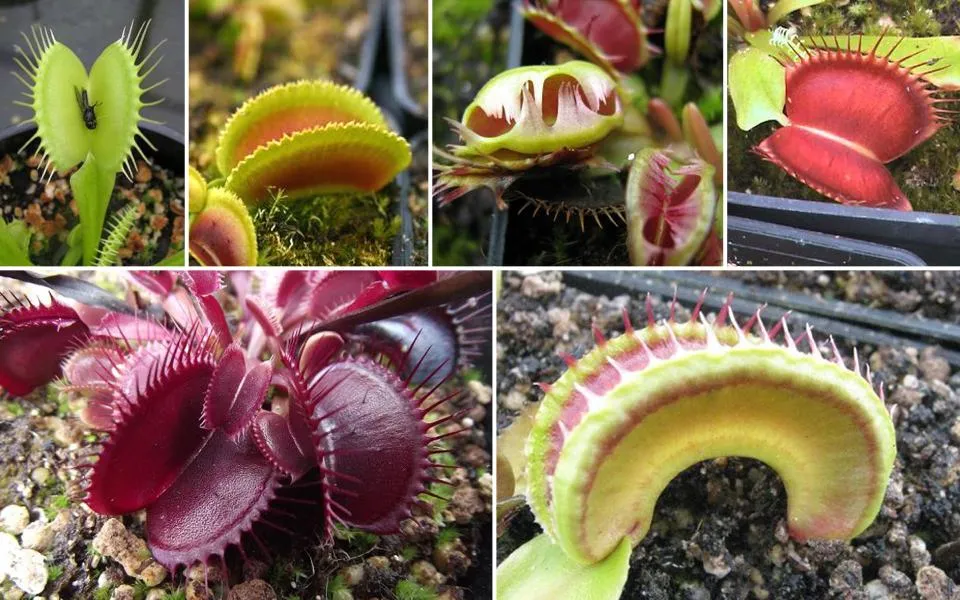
x=640, y=408
x=294, y=141
x=90, y=118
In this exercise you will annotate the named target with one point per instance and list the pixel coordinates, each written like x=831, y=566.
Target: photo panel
x=578, y=133
x=246, y=434
x=92, y=133
x=722, y=435
x=842, y=142
x=308, y=133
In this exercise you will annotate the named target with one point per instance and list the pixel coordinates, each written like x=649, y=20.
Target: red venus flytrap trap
x=596, y=29
x=314, y=399
x=638, y=409
x=838, y=137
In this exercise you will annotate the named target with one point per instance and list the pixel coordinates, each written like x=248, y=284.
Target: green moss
x=452, y=248
x=288, y=574
x=336, y=586
x=140, y=590
x=447, y=535
x=360, y=541
x=408, y=553
x=176, y=595
x=54, y=572
x=103, y=593
x=449, y=16
x=407, y=589
x=55, y=504
x=472, y=374
x=15, y=409
x=347, y=230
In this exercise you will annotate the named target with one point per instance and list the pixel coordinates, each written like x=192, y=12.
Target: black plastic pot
x=382, y=76
x=850, y=321
x=169, y=153
x=822, y=233
x=757, y=244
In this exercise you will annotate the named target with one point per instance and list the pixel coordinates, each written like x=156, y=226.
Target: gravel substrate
x=719, y=530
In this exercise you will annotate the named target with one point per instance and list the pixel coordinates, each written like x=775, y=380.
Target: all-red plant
x=229, y=416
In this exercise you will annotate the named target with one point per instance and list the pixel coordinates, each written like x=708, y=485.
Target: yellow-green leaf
x=758, y=87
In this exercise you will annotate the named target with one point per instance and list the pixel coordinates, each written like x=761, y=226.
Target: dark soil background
x=719, y=530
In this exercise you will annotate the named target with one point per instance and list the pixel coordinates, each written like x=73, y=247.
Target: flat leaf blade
x=540, y=570
x=758, y=88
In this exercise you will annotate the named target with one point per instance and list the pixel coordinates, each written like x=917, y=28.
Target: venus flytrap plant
x=294, y=141
x=670, y=209
x=309, y=407
x=525, y=118
x=90, y=118
x=673, y=203
x=630, y=415
x=838, y=142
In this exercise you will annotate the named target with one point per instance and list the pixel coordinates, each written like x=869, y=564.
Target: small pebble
x=877, y=591
x=116, y=542
x=252, y=590
x=933, y=584
x=352, y=575
x=14, y=519
x=847, y=577
x=40, y=475
x=514, y=400
x=483, y=393
x=123, y=592
x=933, y=366
x=919, y=556
x=716, y=565
x=896, y=581
x=534, y=286
x=426, y=574
x=38, y=536
x=28, y=571
x=196, y=590
x=9, y=548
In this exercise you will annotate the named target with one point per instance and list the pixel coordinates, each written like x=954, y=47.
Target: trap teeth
x=342, y=157
x=308, y=138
